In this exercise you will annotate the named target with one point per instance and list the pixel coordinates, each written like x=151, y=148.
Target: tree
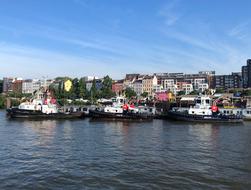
x=94, y=92
x=75, y=88
x=129, y=93
x=194, y=92
x=144, y=94
x=246, y=92
x=2, y=102
x=219, y=90
x=106, y=90
x=82, y=88
x=180, y=93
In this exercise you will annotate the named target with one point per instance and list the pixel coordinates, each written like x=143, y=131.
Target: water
x=83, y=154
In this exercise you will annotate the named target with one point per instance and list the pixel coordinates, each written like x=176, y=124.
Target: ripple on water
x=122, y=155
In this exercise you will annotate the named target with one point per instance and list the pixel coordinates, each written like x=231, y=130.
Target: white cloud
x=240, y=31
x=169, y=13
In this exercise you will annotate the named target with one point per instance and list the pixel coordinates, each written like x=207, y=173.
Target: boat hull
x=179, y=116
x=30, y=114
x=95, y=114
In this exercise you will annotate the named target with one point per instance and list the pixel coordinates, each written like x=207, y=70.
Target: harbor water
x=87, y=154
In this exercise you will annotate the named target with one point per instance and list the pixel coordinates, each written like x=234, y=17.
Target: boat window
x=192, y=111
x=116, y=110
x=203, y=112
x=224, y=111
x=247, y=112
x=198, y=101
x=207, y=101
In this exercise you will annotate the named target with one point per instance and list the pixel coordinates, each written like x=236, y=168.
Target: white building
x=197, y=82
x=202, y=87
x=29, y=85
x=187, y=88
x=137, y=87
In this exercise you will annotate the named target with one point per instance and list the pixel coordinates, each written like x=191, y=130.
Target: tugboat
x=122, y=111
x=203, y=111
x=42, y=106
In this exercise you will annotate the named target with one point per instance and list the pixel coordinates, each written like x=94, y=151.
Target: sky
x=45, y=38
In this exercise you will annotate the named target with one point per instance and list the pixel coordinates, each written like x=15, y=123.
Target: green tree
x=129, y=93
x=219, y=90
x=194, y=92
x=2, y=101
x=94, y=91
x=144, y=94
x=75, y=88
x=106, y=90
x=82, y=89
x=180, y=93
x=246, y=93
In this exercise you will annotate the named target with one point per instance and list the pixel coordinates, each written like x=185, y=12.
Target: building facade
x=228, y=81
x=30, y=85
x=17, y=85
x=137, y=86
x=147, y=84
x=118, y=87
x=246, y=74
x=7, y=84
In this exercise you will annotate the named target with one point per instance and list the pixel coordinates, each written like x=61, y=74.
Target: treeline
x=79, y=90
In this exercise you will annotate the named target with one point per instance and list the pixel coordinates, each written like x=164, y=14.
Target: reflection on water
x=83, y=154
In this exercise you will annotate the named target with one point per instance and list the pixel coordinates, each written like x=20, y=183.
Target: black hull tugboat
x=121, y=111
x=203, y=112
x=35, y=114
x=204, y=118
x=42, y=106
x=96, y=114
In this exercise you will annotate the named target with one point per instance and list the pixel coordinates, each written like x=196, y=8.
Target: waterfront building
x=7, y=84
x=27, y=86
x=244, y=71
x=118, y=87
x=30, y=85
x=186, y=87
x=161, y=96
x=173, y=81
x=137, y=86
x=202, y=87
x=246, y=74
x=17, y=85
x=147, y=84
x=228, y=81
x=129, y=80
x=157, y=88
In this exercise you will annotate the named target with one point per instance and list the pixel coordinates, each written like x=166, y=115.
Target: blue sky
x=98, y=37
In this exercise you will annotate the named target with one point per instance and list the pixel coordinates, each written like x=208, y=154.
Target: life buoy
x=125, y=107
x=214, y=109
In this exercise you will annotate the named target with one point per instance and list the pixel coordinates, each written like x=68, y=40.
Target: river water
x=86, y=154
